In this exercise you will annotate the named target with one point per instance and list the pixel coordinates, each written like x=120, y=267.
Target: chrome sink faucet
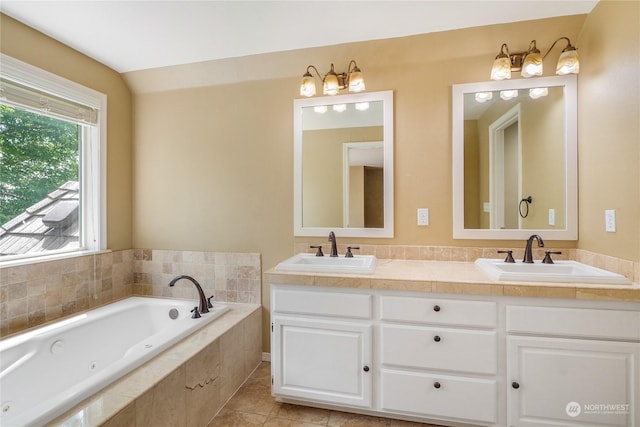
x=334, y=246
x=528, y=255
x=205, y=303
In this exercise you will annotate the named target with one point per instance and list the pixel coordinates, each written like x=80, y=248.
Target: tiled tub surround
x=33, y=294
x=230, y=277
x=184, y=386
x=629, y=269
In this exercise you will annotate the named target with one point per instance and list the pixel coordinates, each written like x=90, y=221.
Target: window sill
x=52, y=257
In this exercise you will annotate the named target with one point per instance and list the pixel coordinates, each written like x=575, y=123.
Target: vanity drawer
x=574, y=322
x=423, y=394
x=439, y=348
x=480, y=314
x=320, y=303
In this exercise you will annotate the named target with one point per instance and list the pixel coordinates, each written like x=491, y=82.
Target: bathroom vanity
x=439, y=342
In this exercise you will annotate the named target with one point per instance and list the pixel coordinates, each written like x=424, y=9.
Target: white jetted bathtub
x=46, y=371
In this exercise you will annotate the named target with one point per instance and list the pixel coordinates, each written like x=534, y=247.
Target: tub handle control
x=196, y=313
x=209, y=304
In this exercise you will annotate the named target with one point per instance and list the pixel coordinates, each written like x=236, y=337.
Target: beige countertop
x=453, y=278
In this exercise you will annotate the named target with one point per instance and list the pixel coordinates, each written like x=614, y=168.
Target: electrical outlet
x=610, y=220
x=552, y=217
x=423, y=216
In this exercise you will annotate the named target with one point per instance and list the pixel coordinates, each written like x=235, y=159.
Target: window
x=52, y=164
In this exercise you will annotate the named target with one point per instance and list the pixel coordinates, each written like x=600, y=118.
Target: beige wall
x=609, y=129
x=27, y=45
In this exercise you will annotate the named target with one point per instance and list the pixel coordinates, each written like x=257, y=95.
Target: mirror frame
x=387, y=104
x=570, y=232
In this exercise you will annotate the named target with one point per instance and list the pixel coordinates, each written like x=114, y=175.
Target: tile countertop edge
x=455, y=278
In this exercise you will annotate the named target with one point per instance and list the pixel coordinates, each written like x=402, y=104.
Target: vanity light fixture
x=529, y=63
x=332, y=82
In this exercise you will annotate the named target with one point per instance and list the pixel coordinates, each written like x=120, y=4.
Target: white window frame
x=93, y=158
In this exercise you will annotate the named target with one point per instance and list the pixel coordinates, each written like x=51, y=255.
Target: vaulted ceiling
x=137, y=35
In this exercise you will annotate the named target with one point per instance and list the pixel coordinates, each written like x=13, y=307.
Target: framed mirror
x=515, y=159
x=343, y=165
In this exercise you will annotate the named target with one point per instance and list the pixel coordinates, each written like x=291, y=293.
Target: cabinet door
x=570, y=382
x=322, y=360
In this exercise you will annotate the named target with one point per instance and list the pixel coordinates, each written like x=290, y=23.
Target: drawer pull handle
x=436, y=338
x=515, y=385
x=436, y=384
x=366, y=369
x=436, y=308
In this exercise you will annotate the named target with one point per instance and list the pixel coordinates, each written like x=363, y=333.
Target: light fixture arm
x=568, y=47
x=308, y=73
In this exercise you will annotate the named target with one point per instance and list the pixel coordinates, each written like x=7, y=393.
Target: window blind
x=37, y=101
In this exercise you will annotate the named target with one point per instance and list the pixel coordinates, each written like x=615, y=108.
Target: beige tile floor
x=253, y=405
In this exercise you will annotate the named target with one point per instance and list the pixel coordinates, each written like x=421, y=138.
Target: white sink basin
x=359, y=264
x=560, y=271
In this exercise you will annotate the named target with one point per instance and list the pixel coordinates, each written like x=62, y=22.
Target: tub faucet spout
x=203, y=306
x=334, y=248
x=528, y=255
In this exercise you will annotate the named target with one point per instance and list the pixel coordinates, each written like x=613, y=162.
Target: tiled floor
x=253, y=405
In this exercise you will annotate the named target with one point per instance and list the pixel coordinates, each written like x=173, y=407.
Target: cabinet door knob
x=436, y=384
x=515, y=385
x=436, y=338
x=366, y=369
x=436, y=308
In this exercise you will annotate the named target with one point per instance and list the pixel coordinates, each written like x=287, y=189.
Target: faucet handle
x=196, y=313
x=509, y=257
x=319, y=250
x=349, y=254
x=547, y=256
x=209, y=304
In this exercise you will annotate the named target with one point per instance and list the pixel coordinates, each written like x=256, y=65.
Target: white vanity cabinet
x=572, y=366
x=457, y=360
x=322, y=346
x=439, y=358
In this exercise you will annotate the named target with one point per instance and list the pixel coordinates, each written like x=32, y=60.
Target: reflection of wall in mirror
x=322, y=153
x=543, y=154
x=356, y=196
x=472, y=203
x=373, y=197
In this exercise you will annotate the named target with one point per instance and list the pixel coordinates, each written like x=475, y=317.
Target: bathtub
x=46, y=371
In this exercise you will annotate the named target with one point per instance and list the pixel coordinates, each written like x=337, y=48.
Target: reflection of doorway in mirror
x=505, y=171
x=363, y=189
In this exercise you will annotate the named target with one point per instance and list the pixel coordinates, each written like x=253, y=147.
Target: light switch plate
x=610, y=220
x=423, y=216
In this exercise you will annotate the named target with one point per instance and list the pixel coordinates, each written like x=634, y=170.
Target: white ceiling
x=136, y=35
